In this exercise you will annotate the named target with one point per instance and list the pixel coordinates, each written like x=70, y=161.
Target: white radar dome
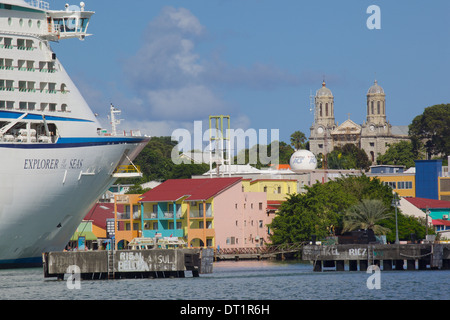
x=303, y=160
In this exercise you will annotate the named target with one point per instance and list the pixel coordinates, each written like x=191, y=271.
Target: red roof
x=440, y=222
x=102, y=211
x=423, y=203
x=192, y=189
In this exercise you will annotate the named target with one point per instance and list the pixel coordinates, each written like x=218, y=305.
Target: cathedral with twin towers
x=373, y=136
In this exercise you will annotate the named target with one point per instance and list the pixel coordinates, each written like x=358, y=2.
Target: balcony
x=200, y=214
x=150, y=215
x=170, y=215
x=162, y=215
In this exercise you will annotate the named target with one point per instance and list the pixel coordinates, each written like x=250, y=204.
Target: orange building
x=128, y=220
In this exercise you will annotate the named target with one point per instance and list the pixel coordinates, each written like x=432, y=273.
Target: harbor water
x=231, y=280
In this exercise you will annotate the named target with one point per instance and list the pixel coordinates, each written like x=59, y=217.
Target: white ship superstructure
x=55, y=159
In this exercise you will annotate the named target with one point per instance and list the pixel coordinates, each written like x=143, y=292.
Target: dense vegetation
x=321, y=211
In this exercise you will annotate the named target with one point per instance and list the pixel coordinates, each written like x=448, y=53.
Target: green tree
x=298, y=140
x=366, y=214
x=322, y=208
x=401, y=153
x=186, y=171
x=286, y=152
x=137, y=189
x=407, y=225
x=348, y=156
x=433, y=129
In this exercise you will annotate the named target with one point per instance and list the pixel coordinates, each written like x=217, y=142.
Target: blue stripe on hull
x=33, y=116
x=21, y=263
x=75, y=143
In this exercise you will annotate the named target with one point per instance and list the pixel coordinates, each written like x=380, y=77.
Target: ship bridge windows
x=70, y=24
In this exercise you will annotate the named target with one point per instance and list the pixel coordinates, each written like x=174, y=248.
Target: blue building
x=427, y=175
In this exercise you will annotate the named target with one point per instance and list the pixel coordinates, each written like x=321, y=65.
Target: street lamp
x=395, y=203
x=427, y=213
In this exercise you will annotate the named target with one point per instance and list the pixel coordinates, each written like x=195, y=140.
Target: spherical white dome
x=303, y=160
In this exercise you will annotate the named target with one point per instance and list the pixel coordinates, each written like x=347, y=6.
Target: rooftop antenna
x=114, y=121
x=222, y=153
x=311, y=101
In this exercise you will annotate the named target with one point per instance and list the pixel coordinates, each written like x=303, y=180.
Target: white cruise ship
x=55, y=159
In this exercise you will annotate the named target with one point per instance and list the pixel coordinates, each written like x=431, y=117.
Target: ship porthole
x=10, y=21
x=30, y=23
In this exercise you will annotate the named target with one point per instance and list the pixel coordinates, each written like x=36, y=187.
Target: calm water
x=252, y=280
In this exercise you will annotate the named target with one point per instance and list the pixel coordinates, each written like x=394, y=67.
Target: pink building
x=241, y=218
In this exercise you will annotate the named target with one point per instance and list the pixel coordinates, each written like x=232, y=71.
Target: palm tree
x=365, y=215
x=298, y=140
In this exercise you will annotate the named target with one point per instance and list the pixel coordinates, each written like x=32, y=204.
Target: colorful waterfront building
x=94, y=228
x=212, y=212
x=276, y=189
x=83, y=238
x=127, y=219
x=436, y=209
x=402, y=182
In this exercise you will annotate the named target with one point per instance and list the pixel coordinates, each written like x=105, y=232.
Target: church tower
x=376, y=131
x=324, y=122
x=376, y=105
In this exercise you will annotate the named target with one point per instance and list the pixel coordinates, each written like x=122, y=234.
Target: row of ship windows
x=21, y=44
x=31, y=106
x=27, y=65
x=22, y=22
x=30, y=86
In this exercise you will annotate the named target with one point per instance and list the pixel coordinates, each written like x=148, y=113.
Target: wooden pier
x=126, y=264
x=386, y=256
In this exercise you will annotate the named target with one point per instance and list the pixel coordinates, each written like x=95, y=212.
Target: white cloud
x=172, y=82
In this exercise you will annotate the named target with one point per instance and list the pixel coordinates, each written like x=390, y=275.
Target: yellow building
x=127, y=215
x=276, y=189
x=444, y=188
x=395, y=176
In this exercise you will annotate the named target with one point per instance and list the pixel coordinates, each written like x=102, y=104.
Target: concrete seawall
x=389, y=256
x=156, y=263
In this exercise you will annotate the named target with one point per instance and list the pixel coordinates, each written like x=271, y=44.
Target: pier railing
x=267, y=249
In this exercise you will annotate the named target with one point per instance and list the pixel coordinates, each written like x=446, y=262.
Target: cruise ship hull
x=46, y=191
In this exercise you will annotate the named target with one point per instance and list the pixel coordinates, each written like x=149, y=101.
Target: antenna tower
x=221, y=137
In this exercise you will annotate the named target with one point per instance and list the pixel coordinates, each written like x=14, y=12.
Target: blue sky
x=166, y=63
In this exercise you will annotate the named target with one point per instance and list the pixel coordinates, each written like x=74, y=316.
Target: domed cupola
x=376, y=105
x=375, y=89
x=324, y=102
x=324, y=91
